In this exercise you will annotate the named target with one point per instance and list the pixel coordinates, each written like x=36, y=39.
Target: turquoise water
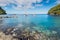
x=44, y=23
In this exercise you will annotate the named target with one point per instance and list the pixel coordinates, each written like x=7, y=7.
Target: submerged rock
x=27, y=34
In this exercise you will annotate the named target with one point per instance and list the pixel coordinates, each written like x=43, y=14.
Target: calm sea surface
x=44, y=23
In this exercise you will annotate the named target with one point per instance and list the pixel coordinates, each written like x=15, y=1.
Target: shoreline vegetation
x=55, y=10
x=2, y=11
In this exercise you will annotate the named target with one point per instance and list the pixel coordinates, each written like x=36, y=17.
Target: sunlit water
x=44, y=23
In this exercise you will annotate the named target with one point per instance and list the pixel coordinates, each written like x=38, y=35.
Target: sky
x=28, y=6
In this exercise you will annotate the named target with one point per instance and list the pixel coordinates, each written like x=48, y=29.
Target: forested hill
x=2, y=11
x=55, y=10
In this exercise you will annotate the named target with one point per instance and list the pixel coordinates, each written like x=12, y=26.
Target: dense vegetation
x=55, y=10
x=2, y=11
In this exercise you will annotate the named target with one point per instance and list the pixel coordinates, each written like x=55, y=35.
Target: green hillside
x=55, y=10
x=2, y=11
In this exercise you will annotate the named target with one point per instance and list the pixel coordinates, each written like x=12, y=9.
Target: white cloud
x=58, y=1
x=39, y=0
x=2, y=4
x=26, y=3
x=39, y=5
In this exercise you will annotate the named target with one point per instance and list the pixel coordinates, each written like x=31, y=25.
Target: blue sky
x=28, y=6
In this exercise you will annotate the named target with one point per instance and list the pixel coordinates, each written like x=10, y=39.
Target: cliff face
x=55, y=10
x=2, y=11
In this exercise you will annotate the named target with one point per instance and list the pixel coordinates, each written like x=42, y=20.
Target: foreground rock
x=6, y=37
x=26, y=34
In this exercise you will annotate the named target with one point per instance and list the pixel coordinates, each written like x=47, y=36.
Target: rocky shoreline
x=26, y=34
x=7, y=16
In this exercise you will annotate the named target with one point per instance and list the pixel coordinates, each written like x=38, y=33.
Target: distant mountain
x=2, y=11
x=55, y=10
